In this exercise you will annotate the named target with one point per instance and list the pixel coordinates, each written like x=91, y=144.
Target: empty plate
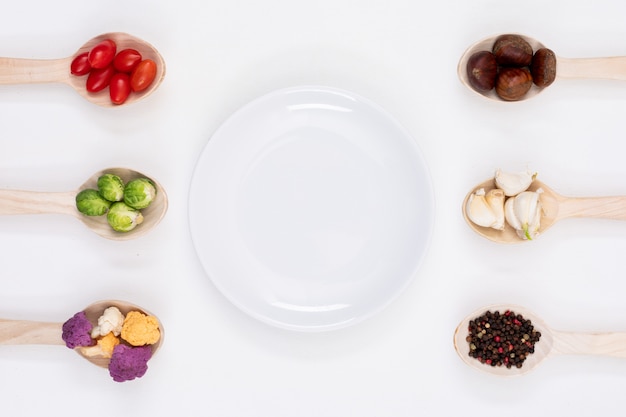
x=311, y=208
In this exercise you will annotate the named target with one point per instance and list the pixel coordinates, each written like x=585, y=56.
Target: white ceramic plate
x=310, y=208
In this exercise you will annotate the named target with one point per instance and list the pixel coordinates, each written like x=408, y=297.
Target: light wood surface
x=33, y=71
x=24, y=332
x=17, y=202
x=555, y=207
x=610, y=68
x=551, y=343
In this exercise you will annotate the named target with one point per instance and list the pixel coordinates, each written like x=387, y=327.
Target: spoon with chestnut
x=481, y=343
x=514, y=67
x=38, y=71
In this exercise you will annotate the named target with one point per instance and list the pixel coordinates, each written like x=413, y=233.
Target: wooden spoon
x=33, y=71
x=611, y=68
x=551, y=343
x=555, y=207
x=24, y=332
x=36, y=202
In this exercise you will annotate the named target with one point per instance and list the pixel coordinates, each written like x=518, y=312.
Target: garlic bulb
x=523, y=213
x=513, y=183
x=486, y=209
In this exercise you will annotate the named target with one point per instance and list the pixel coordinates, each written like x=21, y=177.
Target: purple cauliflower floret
x=128, y=363
x=77, y=331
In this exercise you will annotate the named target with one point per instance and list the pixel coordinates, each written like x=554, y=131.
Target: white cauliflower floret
x=110, y=321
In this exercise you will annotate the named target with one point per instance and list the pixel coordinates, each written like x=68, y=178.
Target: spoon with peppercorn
x=508, y=340
x=554, y=207
x=513, y=67
x=102, y=214
x=77, y=333
x=37, y=71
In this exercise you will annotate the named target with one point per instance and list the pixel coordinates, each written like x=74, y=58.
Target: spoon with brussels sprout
x=482, y=344
x=91, y=82
x=95, y=333
x=136, y=203
x=554, y=207
x=513, y=67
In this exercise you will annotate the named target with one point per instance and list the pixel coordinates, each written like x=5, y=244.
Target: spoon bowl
x=555, y=207
x=36, y=71
x=551, y=342
x=24, y=332
x=94, y=311
x=607, y=68
x=36, y=202
x=487, y=45
x=543, y=347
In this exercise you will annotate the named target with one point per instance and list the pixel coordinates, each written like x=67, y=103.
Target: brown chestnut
x=482, y=70
x=543, y=67
x=513, y=83
x=512, y=50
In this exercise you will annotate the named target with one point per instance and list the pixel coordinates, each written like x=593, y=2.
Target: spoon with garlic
x=529, y=207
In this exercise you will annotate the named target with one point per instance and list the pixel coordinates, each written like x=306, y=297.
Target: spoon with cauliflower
x=116, y=335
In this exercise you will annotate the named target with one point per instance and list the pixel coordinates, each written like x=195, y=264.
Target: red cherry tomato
x=80, y=65
x=119, y=87
x=126, y=60
x=102, y=54
x=99, y=78
x=143, y=75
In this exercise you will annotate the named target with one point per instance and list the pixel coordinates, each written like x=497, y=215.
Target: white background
x=402, y=55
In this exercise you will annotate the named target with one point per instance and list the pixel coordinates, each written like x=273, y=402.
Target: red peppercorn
x=496, y=339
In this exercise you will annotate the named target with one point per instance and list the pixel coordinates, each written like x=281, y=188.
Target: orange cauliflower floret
x=140, y=329
x=104, y=348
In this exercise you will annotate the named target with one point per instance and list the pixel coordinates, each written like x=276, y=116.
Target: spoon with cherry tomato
x=130, y=67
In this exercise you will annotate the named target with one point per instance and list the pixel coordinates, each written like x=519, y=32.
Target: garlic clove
x=513, y=183
x=495, y=198
x=479, y=211
x=523, y=213
x=509, y=214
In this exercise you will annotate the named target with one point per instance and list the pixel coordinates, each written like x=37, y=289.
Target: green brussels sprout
x=139, y=193
x=123, y=218
x=111, y=187
x=90, y=203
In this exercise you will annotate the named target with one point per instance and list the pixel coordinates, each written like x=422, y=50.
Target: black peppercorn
x=505, y=339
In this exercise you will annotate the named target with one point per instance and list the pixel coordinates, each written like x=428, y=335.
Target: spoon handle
x=597, y=207
x=35, y=202
x=603, y=344
x=23, y=332
x=28, y=71
x=612, y=68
